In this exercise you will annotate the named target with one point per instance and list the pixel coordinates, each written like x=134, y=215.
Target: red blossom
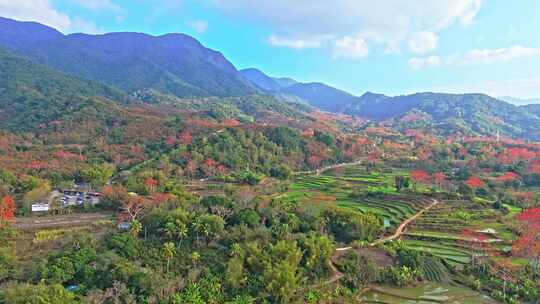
x=475, y=182
x=7, y=209
x=508, y=177
x=440, y=178
x=420, y=176
x=185, y=138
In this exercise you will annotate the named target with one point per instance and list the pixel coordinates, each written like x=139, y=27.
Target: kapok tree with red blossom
x=151, y=184
x=7, y=210
x=508, y=177
x=534, y=167
x=185, y=138
x=475, y=183
x=440, y=179
x=420, y=177
x=528, y=245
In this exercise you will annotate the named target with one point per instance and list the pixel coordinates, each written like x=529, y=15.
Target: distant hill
x=16, y=34
x=532, y=108
x=315, y=94
x=175, y=64
x=520, y=101
x=466, y=113
x=321, y=95
x=261, y=80
x=33, y=94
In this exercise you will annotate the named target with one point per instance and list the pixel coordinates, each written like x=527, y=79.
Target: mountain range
x=520, y=101
x=176, y=64
x=46, y=74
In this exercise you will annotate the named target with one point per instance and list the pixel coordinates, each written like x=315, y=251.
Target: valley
x=139, y=168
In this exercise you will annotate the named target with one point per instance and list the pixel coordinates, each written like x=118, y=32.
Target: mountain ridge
x=177, y=64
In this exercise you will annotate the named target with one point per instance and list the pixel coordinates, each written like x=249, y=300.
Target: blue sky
x=393, y=47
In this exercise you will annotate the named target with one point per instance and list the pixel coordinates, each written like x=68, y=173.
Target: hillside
x=532, y=108
x=466, y=113
x=32, y=94
x=315, y=94
x=261, y=80
x=16, y=34
x=176, y=64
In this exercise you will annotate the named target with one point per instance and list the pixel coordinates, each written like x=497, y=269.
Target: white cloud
x=477, y=57
x=489, y=56
x=350, y=47
x=295, y=43
x=98, y=5
x=519, y=87
x=419, y=63
x=423, y=42
x=38, y=10
x=389, y=23
x=43, y=12
x=198, y=26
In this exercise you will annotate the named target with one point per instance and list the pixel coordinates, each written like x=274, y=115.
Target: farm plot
x=439, y=231
x=354, y=188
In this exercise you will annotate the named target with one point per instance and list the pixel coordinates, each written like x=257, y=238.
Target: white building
x=40, y=207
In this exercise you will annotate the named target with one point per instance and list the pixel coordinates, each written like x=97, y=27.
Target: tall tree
x=168, y=251
x=7, y=210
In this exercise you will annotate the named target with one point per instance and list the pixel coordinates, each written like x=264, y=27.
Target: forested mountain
x=315, y=94
x=532, y=108
x=16, y=34
x=466, y=113
x=176, y=70
x=261, y=80
x=32, y=94
x=175, y=64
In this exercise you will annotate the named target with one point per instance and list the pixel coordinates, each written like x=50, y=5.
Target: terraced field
x=439, y=231
x=338, y=186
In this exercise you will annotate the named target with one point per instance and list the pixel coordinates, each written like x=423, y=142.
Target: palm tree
x=236, y=250
x=135, y=228
x=169, y=229
x=168, y=252
x=181, y=232
x=195, y=256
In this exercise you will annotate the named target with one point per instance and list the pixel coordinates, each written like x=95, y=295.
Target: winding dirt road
x=337, y=275
x=401, y=228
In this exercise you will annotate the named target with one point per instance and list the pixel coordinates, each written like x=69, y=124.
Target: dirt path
x=337, y=275
x=401, y=228
x=323, y=169
x=53, y=221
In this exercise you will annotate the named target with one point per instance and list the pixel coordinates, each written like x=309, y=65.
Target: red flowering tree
x=474, y=182
x=420, y=177
x=7, y=210
x=508, y=177
x=534, y=167
x=185, y=138
x=171, y=141
x=528, y=245
x=440, y=179
x=151, y=184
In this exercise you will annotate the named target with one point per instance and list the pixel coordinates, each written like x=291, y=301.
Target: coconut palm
x=181, y=232
x=135, y=228
x=168, y=252
x=195, y=257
